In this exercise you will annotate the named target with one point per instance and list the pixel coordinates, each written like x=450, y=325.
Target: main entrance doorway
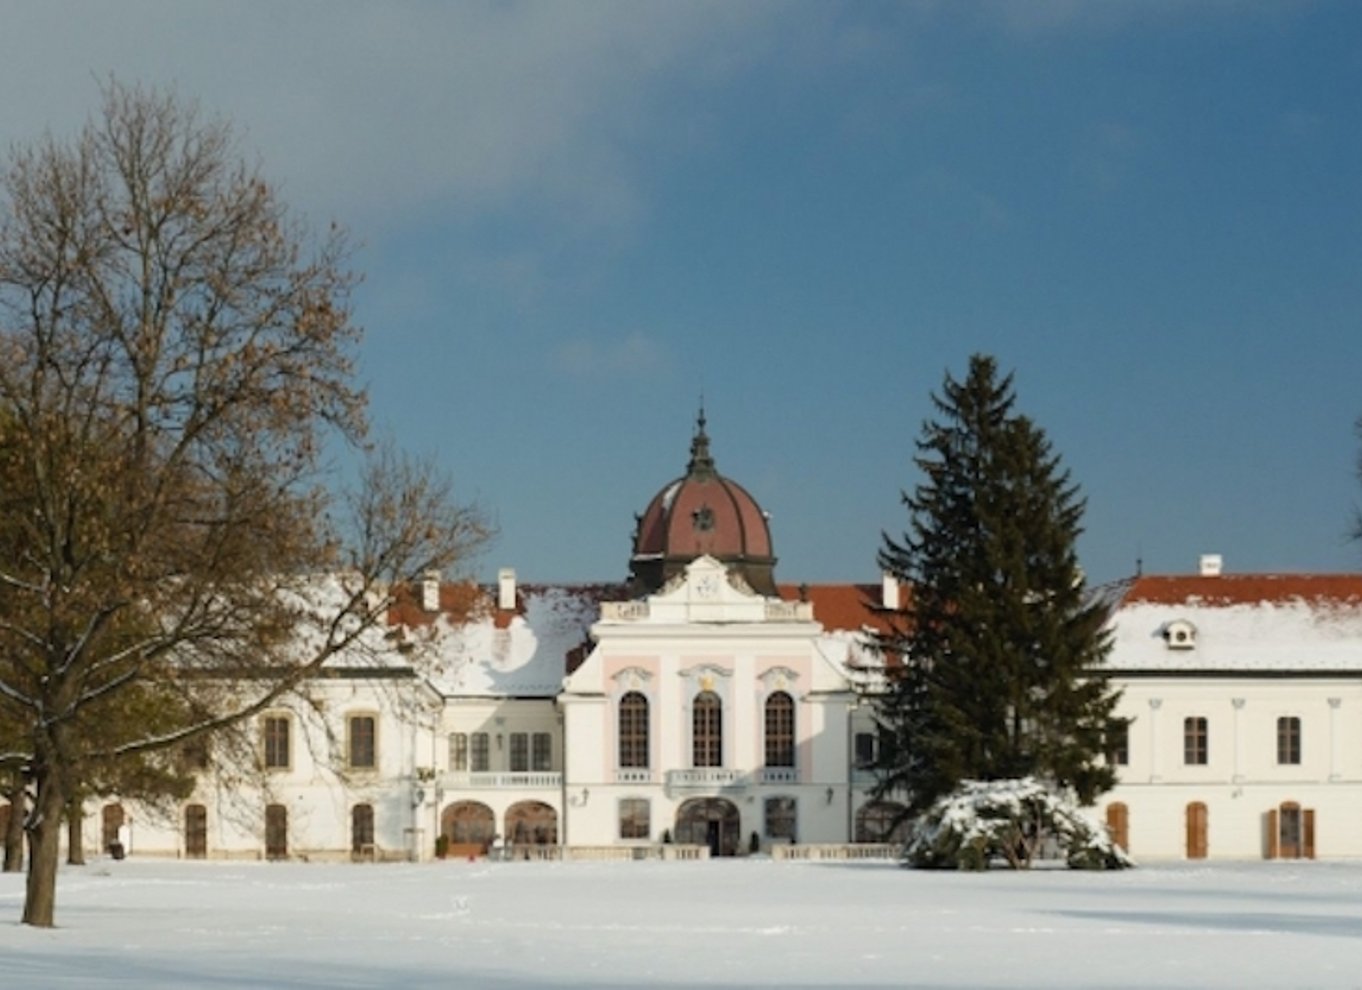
x=709, y=822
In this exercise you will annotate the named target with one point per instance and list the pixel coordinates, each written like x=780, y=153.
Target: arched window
x=633, y=730
x=707, y=732
x=362, y=829
x=780, y=750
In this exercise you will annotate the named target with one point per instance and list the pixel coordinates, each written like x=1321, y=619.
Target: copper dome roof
x=702, y=513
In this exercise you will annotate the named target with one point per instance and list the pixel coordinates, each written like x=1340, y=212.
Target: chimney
x=506, y=589
x=430, y=591
x=1211, y=564
x=889, y=592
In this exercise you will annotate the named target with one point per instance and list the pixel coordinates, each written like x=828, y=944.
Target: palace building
x=703, y=705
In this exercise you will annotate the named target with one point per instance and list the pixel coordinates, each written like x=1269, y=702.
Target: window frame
x=276, y=741
x=1196, y=741
x=633, y=736
x=780, y=817
x=458, y=752
x=707, y=730
x=356, y=740
x=541, y=752
x=1289, y=740
x=518, y=754
x=779, y=724
x=634, y=817
x=479, y=752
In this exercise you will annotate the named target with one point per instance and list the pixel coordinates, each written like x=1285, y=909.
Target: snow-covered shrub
x=983, y=822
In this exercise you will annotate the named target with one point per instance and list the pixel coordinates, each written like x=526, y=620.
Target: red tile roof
x=1244, y=589
x=846, y=607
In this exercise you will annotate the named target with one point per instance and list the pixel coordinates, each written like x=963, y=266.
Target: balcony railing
x=707, y=778
x=476, y=780
x=779, y=775
x=633, y=775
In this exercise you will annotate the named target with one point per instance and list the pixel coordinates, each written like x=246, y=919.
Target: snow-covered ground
x=737, y=923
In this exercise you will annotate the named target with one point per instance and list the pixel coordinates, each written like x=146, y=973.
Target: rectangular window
x=865, y=750
x=520, y=752
x=481, y=755
x=1118, y=742
x=1195, y=741
x=634, y=818
x=1289, y=740
x=276, y=730
x=780, y=818
x=543, y=751
x=363, y=751
x=458, y=751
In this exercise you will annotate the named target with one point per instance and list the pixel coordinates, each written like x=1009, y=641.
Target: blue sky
x=577, y=218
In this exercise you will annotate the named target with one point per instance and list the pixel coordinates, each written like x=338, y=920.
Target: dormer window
x=1180, y=635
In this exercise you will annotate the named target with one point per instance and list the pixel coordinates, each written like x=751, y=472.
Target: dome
x=702, y=513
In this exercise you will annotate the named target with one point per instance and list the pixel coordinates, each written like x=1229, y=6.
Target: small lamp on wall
x=830, y=793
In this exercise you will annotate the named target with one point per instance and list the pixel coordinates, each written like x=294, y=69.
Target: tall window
x=1195, y=742
x=1118, y=742
x=707, y=733
x=480, y=761
x=633, y=730
x=520, y=752
x=542, y=752
x=276, y=729
x=361, y=828
x=780, y=749
x=458, y=751
x=780, y=818
x=363, y=754
x=1288, y=739
x=634, y=818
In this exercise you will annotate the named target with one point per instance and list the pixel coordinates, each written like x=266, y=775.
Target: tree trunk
x=44, y=833
x=14, y=832
x=75, y=846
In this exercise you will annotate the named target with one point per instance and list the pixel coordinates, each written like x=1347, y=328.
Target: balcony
x=501, y=780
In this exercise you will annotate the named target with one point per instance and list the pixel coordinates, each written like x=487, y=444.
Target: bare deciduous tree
x=175, y=349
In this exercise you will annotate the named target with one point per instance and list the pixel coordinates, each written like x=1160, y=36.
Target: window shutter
x=1308, y=828
x=1273, y=834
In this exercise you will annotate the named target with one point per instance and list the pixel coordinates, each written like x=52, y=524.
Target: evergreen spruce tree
x=997, y=664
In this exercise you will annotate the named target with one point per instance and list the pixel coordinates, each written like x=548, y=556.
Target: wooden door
x=1290, y=831
x=1308, y=833
x=1118, y=824
x=1197, y=846
x=276, y=832
x=195, y=831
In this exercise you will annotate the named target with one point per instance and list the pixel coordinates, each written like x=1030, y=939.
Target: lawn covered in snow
x=734, y=923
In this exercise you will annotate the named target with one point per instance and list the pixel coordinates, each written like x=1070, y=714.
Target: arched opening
x=1291, y=832
x=276, y=831
x=1197, y=822
x=1118, y=824
x=780, y=730
x=112, y=819
x=195, y=831
x=707, y=730
x=882, y=821
x=362, y=830
x=531, y=823
x=712, y=822
x=633, y=730
x=468, y=823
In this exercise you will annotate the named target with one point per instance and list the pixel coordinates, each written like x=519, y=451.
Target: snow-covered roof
x=1290, y=623
x=482, y=651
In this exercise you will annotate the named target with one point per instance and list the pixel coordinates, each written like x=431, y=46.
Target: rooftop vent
x=1211, y=564
x=430, y=591
x=889, y=592
x=506, y=589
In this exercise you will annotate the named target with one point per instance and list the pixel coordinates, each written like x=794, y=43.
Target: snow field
x=732, y=924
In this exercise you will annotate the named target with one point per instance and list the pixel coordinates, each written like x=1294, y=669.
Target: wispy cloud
x=633, y=354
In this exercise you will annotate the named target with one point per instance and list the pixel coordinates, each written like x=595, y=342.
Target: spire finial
x=701, y=461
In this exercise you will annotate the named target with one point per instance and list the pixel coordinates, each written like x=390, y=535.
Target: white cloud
x=394, y=110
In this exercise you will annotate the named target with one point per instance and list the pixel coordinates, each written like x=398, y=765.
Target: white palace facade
x=703, y=707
